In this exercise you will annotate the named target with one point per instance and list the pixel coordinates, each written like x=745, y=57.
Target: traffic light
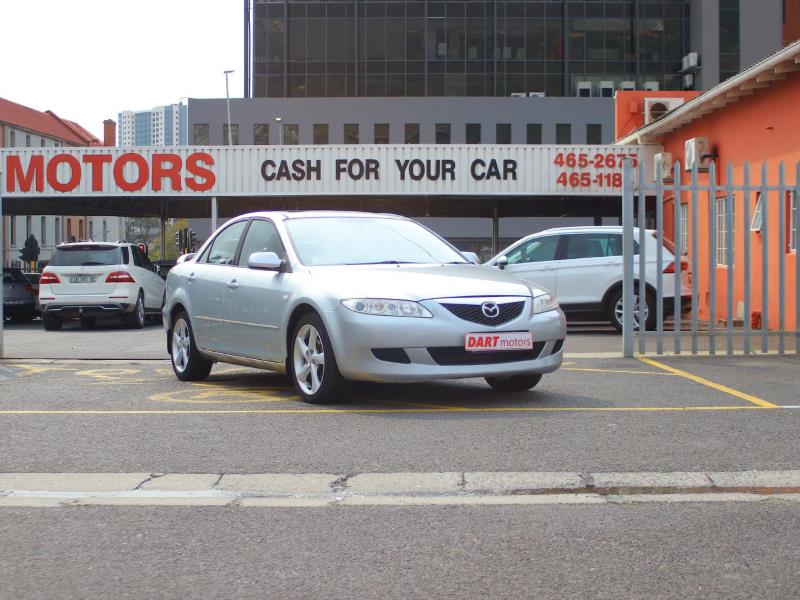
x=179, y=240
x=192, y=239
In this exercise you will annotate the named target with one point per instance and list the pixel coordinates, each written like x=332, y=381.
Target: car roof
x=305, y=214
x=92, y=243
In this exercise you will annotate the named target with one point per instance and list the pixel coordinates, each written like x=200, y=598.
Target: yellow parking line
x=315, y=411
x=420, y=405
x=715, y=386
x=617, y=371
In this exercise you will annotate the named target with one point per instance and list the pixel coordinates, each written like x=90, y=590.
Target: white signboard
x=391, y=170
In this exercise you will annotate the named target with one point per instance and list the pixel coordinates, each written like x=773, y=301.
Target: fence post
x=627, y=259
x=730, y=225
x=764, y=260
x=678, y=309
x=660, y=258
x=781, y=259
x=746, y=262
x=713, y=236
x=641, y=294
x=796, y=200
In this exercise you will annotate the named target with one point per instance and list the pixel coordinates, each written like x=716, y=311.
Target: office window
x=533, y=133
x=28, y=141
x=70, y=236
x=412, y=133
x=105, y=230
x=684, y=241
x=291, y=134
x=91, y=230
x=473, y=133
x=502, y=133
x=563, y=133
x=261, y=134
x=443, y=133
x=594, y=133
x=729, y=39
x=80, y=231
x=200, y=134
x=12, y=230
x=43, y=234
x=12, y=138
x=57, y=231
x=351, y=133
x=320, y=133
x=234, y=134
x=28, y=231
x=725, y=238
x=381, y=133
x=41, y=142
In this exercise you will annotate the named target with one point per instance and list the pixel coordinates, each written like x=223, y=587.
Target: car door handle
x=232, y=284
x=191, y=277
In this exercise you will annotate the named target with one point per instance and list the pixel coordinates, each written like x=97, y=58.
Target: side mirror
x=268, y=261
x=471, y=257
x=156, y=269
x=501, y=263
x=184, y=257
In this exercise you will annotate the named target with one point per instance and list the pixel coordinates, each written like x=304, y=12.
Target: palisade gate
x=738, y=242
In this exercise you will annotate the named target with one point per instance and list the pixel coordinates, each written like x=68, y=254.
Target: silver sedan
x=331, y=297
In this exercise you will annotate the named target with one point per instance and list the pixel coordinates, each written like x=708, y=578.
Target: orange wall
x=629, y=109
x=760, y=129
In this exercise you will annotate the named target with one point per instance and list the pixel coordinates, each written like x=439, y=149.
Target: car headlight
x=387, y=307
x=544, y=303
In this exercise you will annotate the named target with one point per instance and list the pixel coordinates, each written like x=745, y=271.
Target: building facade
x=160, y=126
x=21, y=126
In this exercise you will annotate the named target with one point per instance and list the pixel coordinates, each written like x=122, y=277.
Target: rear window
x=86, y=256
x=13, y=276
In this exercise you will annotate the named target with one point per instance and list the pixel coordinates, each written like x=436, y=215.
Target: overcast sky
x=87, y=60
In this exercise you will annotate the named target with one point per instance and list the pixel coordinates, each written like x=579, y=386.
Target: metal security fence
x=735, y=260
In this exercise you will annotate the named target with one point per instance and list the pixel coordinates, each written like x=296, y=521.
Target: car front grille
x=456, y=355
x=474, y=314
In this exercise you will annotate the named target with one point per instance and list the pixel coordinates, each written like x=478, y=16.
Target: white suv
x=98, y=280
x=582, y=266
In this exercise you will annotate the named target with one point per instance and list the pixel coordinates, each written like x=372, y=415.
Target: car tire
x=514, y=383
x=187, y=362
x=51, y=322
x=312, y=364
x=135, y=319
x=614, y=310
x=88, y=322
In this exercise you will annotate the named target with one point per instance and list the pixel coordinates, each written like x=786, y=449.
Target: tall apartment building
x=21, y=126
x=160, y=126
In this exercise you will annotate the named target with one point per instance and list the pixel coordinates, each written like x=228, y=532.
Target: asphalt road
x=124, y=411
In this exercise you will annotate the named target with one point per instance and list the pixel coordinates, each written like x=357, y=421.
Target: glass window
x=105, y=231
x=443, y=133
x=291, y=134
x=758, y=215
x=200, y=131
x=535, y=250
x=43, y=234
x=234, y=137
x=533, y=132
x=503, y=133
x=473, y=133
x=593, y=246
x=724, y=237
x=261, y=134
x=12, y=138
x=412, y=133
x=381, y=133
x=320, y=133
x=793, y=221
x=594, y=133
x=351, y=133
x=27, y=227
x=684, y=239
x=223, y=249
x=261, y=237
x=90, y=255
x=563, y=133
x=57, y=236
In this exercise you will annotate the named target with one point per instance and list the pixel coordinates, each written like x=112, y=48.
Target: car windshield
x=86, y=256
x=13, y=276
x=321, y=241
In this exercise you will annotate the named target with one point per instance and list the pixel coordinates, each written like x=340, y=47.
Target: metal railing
x=745, y=315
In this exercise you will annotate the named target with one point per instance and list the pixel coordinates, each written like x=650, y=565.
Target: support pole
x=213, y=214
x=627, y=259
x=495, y=231
x=163, y=232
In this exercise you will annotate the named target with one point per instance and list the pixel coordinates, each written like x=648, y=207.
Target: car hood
x=420, y=282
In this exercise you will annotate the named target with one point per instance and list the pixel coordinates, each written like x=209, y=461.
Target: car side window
x=125, y=257
x=587, y=246
x=261, y=237
x=223, y=248
x=535, y=250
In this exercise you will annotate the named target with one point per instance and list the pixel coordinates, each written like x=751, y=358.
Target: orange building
x=750, y=118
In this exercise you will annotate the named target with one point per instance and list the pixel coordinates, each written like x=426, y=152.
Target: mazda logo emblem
x=490, y=310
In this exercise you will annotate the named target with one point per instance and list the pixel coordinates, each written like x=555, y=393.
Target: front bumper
x=413, y=349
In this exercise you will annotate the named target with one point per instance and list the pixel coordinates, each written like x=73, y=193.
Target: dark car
x=19, y=303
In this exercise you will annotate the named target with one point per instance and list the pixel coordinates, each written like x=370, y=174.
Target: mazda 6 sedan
x=332, y=297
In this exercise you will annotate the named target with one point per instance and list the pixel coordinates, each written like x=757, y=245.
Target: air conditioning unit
x=607, y=89
x=536, y=94
x=664, y=161
x=519, y=95
x=688, y=81
x=697, y=154
x=655, y=108
x=583, y=89
x=627, y=86
x=651, y=86
x=690, y=62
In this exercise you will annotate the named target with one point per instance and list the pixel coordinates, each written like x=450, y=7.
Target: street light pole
x=228, y=101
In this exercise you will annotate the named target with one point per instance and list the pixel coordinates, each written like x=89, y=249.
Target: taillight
x=671, y=267
x=48, y=278
x=120, y=277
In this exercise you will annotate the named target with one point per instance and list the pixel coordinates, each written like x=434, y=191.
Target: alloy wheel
x=309, y=359
x=180, y=345
x=619, y=311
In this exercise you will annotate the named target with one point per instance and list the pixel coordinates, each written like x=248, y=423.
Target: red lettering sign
x=15, y=173
x=96, y=162
x=208, y=179
x=74, y=173
x=119, y=172
x=172, y=171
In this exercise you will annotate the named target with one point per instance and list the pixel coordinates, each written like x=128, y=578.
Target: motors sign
x=394, y=170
